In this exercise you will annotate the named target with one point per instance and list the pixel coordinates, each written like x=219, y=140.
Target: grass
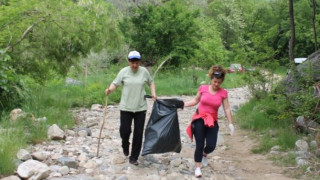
x=12, y=138
x=187, y=81
x=269, y=118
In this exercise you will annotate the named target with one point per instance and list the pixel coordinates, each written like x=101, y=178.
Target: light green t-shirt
x=133, y=90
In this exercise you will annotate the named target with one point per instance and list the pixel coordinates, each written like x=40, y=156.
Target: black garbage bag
x=162, y=133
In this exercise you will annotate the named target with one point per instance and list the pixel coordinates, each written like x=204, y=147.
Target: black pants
x=125, y=131
x=204, y=135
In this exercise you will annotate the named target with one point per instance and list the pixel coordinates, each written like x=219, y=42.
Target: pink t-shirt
x=210, y=103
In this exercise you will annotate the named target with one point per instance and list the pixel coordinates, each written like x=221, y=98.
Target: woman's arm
x=111, y=88
x=194, y=101
x=227, y=110
x=153, y=91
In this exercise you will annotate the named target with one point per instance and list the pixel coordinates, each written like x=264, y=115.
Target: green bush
x=269, y=117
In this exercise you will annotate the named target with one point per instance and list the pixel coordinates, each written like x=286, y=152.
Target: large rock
x=311, y=67
x=33, y=169
x=23, y=155
x=11, y=178
x=302, y=145
x=55, y=133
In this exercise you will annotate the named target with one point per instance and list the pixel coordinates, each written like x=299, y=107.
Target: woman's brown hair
x=217, y=71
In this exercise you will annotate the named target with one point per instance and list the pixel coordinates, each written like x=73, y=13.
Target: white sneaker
x=204, y=161
x=197, y=172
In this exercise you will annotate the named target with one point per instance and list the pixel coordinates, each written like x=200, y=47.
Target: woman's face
x=216, y=83
x=134, y=65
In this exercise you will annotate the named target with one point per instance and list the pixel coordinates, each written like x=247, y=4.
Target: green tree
x=211, y=49
x=45, y=37
x=229, y=19
x=157, y=31
x=49, y=35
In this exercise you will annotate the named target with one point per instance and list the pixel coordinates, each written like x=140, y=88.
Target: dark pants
x=125, y=131
x=204, y=135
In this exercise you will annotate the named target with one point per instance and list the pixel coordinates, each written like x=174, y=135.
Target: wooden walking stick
x=104, y=120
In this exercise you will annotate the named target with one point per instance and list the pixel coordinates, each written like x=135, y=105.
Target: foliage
x=229, y=21
x=157, y=31
x=211, y=49
x=270, y=117
x=10, y=88
x=266, y=31
x=45, y=38
x=260, y=81
x=56, y=33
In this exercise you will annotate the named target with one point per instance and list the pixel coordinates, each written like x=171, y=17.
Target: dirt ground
x=232, y=158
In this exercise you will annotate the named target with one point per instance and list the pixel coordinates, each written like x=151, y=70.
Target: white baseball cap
x=134, y=55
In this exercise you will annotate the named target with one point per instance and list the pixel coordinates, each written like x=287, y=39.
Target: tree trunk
x=313, y=2
x=292, y=28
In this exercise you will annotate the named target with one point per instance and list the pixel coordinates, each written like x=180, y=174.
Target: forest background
x=45, y=42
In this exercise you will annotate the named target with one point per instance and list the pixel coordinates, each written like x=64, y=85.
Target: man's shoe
x=125, y=148
x=197, y=172
x=125, y=151
x=134, y=162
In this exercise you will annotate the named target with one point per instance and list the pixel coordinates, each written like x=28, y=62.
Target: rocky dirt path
x=75, y=157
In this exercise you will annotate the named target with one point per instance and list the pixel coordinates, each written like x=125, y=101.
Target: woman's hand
x=154, y=98
x=231, y=127
x=111, y=88
x=107, y=91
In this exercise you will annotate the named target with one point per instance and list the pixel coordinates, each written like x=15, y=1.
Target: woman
x=204, y=125
x=133, y=105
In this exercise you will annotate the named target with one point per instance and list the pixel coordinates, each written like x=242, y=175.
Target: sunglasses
x=217, y=74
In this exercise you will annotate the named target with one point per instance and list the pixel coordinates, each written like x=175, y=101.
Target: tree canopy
x=42, y=39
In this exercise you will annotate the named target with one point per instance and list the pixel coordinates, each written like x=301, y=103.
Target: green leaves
x=44, y=36
x=6, y=71
x=157, y=31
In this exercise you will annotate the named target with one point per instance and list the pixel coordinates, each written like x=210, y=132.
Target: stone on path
x=23, y=155
x=11, y=178
x=33, y=169
x=55, y=133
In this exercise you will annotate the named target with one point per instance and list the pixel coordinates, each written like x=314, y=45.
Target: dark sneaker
x=134, y=162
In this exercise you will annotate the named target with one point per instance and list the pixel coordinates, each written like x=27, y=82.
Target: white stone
x=11, y=178
x=90, y=165
x=96, y=107
x=118, y=160
x=64, y=170
x=39, y=156
x=33, y=168
x=55, y=133
x=70, y=132
x=89, y=171
x=55, y=174
x=302, y=145
x=82, y=133
x=23, y=155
